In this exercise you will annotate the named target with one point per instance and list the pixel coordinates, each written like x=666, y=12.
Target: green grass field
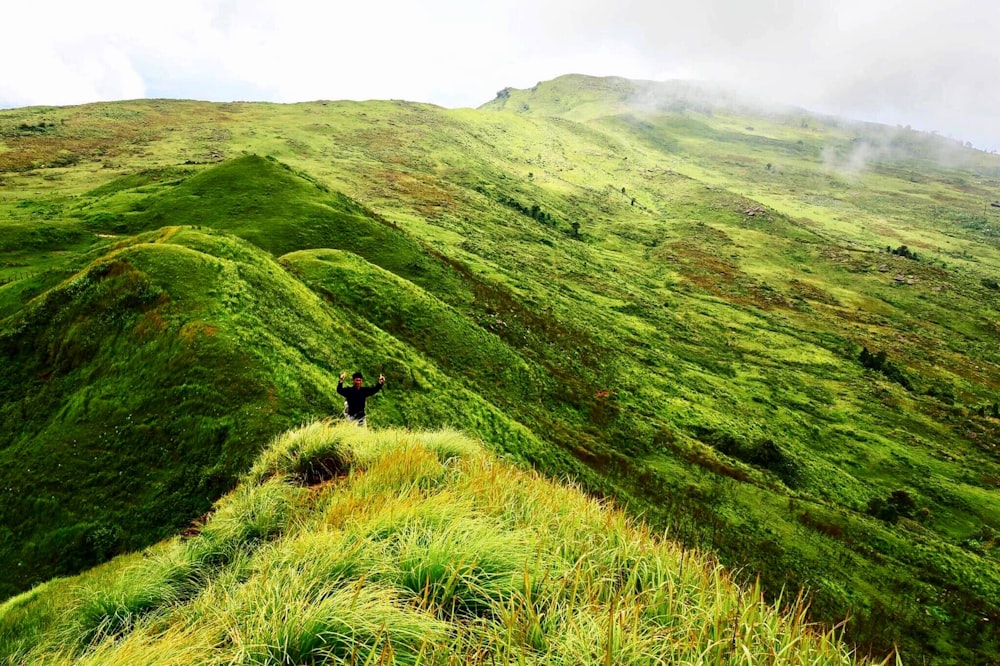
x=662, y=297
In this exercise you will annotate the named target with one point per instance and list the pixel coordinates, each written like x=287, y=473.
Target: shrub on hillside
x=762, y=453
x=989, y=410
x=982, y=541
x=40, y=128
x=943, y=392
x=902, y=251
x=899, y=504
x=534, y=211
x=879, y=361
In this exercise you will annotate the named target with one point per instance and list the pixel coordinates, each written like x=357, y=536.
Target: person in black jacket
x=356, y=395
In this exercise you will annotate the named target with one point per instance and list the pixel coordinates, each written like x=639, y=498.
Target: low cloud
x=875, y=145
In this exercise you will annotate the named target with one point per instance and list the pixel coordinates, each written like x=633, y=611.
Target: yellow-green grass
x=418, y=548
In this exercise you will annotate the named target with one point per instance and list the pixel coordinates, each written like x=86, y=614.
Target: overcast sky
x=932, y=64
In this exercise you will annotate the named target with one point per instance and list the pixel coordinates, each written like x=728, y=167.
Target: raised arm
x=378, y=387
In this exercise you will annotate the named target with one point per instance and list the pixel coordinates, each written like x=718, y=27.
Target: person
x=356, y=395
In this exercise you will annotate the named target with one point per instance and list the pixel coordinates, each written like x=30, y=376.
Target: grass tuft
x=311, y=454
x=249, y=516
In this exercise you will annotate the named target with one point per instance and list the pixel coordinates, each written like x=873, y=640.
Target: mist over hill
x=772, y=334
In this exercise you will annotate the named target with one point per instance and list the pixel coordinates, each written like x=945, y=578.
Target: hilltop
x=771, y=333
x=351, y=546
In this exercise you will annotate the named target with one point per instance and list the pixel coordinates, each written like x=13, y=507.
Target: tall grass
x=424, y=550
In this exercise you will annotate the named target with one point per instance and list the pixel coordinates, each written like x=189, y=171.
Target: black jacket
x=356, y=397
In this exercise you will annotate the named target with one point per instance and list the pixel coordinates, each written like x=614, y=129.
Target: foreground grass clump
x=408, y=548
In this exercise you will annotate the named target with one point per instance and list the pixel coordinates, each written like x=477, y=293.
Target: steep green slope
x=421, y=549
x=406, y=311
x=799, y=281
x=129, y=396
x=676, y=294
x=134, y=392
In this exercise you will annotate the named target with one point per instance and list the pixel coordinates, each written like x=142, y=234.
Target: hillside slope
x=134, y=391
x=774, y=334
x=352, y=546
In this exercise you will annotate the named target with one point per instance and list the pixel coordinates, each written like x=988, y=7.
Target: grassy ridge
x=87, y=437
x=674, y=297
x=206, y=324
x=265, y=203
x=422, y=549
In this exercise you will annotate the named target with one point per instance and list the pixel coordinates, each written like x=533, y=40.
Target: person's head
x=357, y=378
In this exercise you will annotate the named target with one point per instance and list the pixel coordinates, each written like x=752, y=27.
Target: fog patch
x=705, y=97
x=874, y=145
x=853, y=161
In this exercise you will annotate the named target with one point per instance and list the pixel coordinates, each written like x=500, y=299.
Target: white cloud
x=922, y=62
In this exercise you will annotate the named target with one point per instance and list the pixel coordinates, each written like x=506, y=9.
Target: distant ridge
x=585, y=98
x=565, y=92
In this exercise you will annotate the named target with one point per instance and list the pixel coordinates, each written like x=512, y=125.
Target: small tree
x=905, y=252
x=898, y=505
x=903, y=503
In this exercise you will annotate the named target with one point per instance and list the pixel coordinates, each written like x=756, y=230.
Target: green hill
x=772, y=334
x=350, y=546
x=136, y=390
